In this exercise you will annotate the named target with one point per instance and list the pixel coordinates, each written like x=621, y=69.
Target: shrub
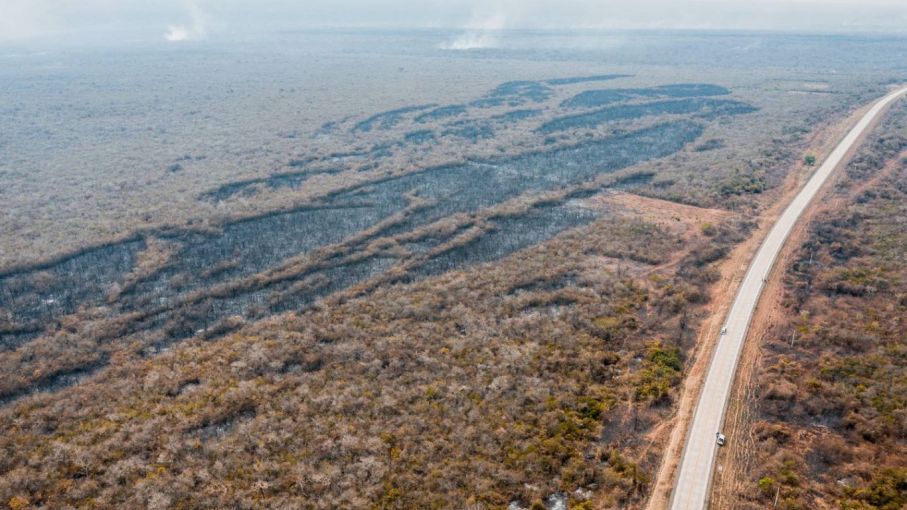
x=659, y=373
x=886, y=491
x=18, y=503
x=767, y=486
x=742, y=184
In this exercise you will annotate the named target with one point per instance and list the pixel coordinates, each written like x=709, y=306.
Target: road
x=691, y=488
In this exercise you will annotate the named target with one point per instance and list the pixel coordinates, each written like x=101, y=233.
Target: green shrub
x=659, y=373
x=740, y=184
x=886, y=491
x=767, y=485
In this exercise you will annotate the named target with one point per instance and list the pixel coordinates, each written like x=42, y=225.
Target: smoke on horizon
x=479, y=22
x=197, y=28
x=480, y=33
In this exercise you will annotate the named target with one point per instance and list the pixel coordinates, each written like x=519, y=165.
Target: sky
x=184, y=20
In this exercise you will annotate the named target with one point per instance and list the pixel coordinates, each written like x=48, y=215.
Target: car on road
x=720, y=439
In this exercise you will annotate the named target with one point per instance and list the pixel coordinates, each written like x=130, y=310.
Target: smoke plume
x=480, y=33
x=196, y=29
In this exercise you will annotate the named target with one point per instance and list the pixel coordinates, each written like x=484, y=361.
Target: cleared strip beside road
x=691, y=488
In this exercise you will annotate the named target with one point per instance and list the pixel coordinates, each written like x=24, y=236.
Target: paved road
x=692, y=485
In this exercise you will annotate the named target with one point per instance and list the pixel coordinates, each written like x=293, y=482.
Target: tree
x=809, y=159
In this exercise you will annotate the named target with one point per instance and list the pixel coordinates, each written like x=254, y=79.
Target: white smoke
x=197, y=29
x=480, y=33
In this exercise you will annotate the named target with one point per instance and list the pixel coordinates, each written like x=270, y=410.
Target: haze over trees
x=359, y=270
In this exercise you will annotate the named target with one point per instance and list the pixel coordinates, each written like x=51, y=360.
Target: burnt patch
x=54, y=381
x=585, y=79
x=215, y=281
x=596, y=98
x=250, y=187
x=220, y=425
x=509, y=235
x=419, y=137
x=442, y=112
x=472, y=131
x=710, y=145
x=705, y=108
x=388, y=119
x=35, y=297
x=516, y=116
x=518, y=92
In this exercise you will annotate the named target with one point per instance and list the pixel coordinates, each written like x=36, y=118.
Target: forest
x=351, y=270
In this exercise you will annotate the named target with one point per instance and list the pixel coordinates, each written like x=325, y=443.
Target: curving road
x=691, y=488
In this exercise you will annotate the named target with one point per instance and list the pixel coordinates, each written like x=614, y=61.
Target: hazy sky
x=195, y=19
